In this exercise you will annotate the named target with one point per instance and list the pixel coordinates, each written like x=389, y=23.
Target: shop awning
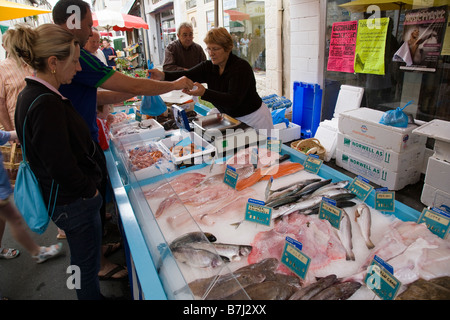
x=237, y=15
x=11, y=10
x=117, y=21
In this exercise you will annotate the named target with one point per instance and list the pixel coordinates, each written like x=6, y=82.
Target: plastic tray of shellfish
x=188, y=148
x=137, y=131
x=146, y=159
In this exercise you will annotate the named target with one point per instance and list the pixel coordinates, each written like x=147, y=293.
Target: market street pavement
x=23, y=279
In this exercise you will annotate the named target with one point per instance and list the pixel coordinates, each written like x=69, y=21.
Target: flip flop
x=112, y=248
x=109, y=275
x=9, y=253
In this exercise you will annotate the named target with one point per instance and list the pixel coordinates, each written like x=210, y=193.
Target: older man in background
x=93, y=46
x=184, y=53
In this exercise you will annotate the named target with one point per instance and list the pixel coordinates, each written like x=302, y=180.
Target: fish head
x=245, y=250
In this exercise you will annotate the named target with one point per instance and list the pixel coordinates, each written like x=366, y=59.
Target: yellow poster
x=446, y=46
x=371, y=45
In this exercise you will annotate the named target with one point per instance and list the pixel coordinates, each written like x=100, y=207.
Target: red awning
x=237, y=15
x=117, y=21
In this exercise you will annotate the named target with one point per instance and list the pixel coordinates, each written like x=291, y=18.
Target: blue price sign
x=231, y=177
x=385, y=201
x=329, y=211
x=361, y=187
x=380, y=279
x=295, y=259
x=437, y=221
x=257, y=212
x=313, y=163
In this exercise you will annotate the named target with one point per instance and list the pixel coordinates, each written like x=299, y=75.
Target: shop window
x=191, y=4
x=422, y=76
x=245, y=21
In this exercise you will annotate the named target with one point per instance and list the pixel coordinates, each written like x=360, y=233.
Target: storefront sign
x=294, y=258
x=371, y=45
x=342, y=46
x=436, y=220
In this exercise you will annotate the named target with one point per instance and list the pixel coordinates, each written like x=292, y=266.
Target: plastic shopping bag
x=152, y=105
x=396, y=118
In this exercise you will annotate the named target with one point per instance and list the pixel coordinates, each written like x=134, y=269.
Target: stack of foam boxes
x=436, y=189
x=388, y=156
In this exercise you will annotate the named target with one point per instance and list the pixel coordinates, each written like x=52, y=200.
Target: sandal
x=109, y=275
x=111, y=248
x=9, y=253
x=45, y=254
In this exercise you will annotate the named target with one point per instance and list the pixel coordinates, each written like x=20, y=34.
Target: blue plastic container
x=306, y=108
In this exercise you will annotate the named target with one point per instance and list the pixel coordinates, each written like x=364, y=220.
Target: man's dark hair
x=60, y=14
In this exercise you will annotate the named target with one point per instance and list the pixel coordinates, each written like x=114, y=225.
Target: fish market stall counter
x=186, y=236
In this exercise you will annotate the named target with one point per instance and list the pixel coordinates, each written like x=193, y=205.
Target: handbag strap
x=24, y=155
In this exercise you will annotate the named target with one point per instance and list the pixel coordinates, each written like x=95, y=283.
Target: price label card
x=384, y=200
x=293, y=258
x=273, y=144
x=380, y=279
x=313, y=163
x=257, y=212
x=437, y=221
x=329, y=211
x=138, y=116
x=231, y=177
x=361, y=187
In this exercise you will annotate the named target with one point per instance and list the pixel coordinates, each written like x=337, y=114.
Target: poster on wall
x=422, y=39
x=371, y=46
x=342, y=46
x=446, y=45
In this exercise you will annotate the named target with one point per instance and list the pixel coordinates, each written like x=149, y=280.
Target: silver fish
x=335, y=185
x=196, y=236
x=233, y=252
x=314, y=288
x=345, y=235
x=340, y=291
x=286, y=190
x=198, y=258
x=310, y=188
x=364, y=220
x=267, y=290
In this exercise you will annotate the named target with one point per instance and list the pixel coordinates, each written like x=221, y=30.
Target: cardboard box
x=387, y=159
x=377, y=174
x=434, y=197
x=363, y=124
x=438, y=174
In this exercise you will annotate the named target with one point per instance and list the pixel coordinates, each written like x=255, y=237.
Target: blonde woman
x=59, y=146
x=230, y=79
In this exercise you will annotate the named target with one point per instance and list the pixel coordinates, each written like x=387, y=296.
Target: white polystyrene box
x=438, y=174
x=388, y=159
x=377, y=174
x=363, y=124
x=289, y=133
x=439, y=130
x=434, y=197
x=144, y=130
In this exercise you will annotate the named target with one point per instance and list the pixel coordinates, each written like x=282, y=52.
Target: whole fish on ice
x=345, y=234
x=364, y=220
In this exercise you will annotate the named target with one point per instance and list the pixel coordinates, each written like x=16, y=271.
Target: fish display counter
x=235, y=229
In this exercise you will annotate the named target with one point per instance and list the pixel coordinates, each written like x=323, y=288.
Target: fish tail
x=350, y=256
x=369, y=244
x=236, y=224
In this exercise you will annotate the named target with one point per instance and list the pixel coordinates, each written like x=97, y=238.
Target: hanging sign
x=342, y=46
x=371, y=45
